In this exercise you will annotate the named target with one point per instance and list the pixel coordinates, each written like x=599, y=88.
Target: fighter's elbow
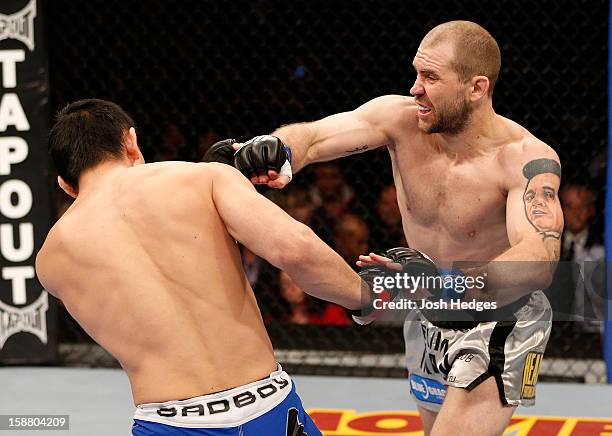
x=542, y=264
x=545, y=278
x=296, y=248
x=548, y=268
x=543, y=274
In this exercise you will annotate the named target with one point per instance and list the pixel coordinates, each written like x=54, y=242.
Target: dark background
x=230, y=66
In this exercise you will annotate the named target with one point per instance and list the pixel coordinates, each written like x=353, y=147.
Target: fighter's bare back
x=152, y=274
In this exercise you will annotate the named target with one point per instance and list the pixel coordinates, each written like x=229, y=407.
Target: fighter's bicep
x=533, y=209
x=517, y=224
x=364, y=128
x=344, y=134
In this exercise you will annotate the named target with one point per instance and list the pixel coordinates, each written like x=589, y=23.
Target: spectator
x=262, y=278
x=351, y=238
x=172, y=143
x=576, y=290
x=331, y=197
x=251, y=264
x=330, y=189
x=302, y=309
x=580, y=241
x=297, y=300
x=387, y=231
x=297, y=203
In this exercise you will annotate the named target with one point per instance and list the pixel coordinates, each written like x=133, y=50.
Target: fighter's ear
x=131, y=147
x=480, y=87
x=67, y=188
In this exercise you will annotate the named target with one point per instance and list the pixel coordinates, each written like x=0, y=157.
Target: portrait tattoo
x=358, y=149
x=542, y=207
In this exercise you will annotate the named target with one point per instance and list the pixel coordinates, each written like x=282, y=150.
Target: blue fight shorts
x=268, y=407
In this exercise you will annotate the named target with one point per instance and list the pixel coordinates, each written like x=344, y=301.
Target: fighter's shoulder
x=216, y=170
x=193, y=173
x=524, y=150
x=215, y=176
x=56, y=244
x=517, y=153
x=391, y=101
x=389, y=109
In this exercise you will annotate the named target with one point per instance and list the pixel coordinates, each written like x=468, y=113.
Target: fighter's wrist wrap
x=286, y=168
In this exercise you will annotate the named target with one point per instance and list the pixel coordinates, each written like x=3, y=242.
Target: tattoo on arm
x=540, y=198
x=365, y=147
x=358, y=149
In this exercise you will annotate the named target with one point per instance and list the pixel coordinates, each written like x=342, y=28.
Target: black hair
x=541, y=166
x=86, y=133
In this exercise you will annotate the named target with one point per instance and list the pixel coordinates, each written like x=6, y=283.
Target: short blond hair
x=476, y=51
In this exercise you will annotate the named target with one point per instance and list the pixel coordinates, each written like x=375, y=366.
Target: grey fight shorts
x=511, y=351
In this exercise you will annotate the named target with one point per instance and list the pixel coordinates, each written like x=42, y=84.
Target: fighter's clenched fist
x=263, y=159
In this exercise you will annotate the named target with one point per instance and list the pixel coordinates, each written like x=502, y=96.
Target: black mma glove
x=261, y=154
x=416, y=263
x=413, y=263
x=368, y=274
x=256, y=156
x=222, y=151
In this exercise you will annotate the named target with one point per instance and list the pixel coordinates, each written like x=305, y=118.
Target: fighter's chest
x=456, y=194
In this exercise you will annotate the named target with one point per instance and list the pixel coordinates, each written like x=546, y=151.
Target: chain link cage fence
x=193, y=72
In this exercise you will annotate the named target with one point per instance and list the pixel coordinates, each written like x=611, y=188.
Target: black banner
x=27, y=312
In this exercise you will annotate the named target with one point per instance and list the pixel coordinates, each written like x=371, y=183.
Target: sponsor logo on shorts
x=426, y=389
x=20, y=25
x=30, y=319
x=434, y=359
x=530, y=374
x=224, y=405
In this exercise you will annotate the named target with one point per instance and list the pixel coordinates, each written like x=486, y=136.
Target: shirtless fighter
x=471, y=186
x=146, y=261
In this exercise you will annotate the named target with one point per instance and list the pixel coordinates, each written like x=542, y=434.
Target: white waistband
x=229, y=408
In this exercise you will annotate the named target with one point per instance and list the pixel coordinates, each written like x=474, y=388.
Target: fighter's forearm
x=335, y=136
x=322, y=273
x=340, y=287
x=299, y=137
x=519, y=271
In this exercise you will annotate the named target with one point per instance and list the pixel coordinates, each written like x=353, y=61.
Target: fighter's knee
x=479, y=411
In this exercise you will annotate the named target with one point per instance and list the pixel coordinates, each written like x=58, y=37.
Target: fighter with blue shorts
x=269, y=406
x=147, y=261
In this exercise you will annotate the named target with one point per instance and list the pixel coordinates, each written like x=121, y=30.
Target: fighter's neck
x=93, y=178
x=484, y=131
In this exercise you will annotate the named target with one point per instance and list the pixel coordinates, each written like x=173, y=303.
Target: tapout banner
x=27, y=313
